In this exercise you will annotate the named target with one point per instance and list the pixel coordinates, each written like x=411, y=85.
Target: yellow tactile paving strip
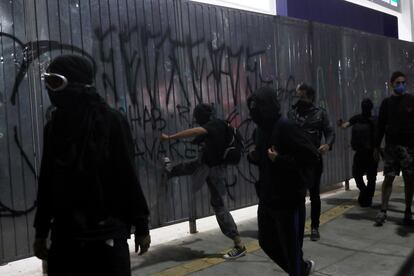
x=200, y=264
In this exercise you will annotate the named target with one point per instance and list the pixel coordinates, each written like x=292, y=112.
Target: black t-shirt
x=396, y=121
x=361, y=119
x=214, y=142
x=363, y=131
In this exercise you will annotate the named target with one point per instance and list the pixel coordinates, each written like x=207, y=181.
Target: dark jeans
x=281, y=237
x=216, y=182
x=72, y=258
x=314, y=192
x=364, y=163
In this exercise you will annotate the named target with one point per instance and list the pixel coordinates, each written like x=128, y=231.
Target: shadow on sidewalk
x=404, y=230
x=339, y=201
x=369, y=214
x=254, y=234
x=175, y=253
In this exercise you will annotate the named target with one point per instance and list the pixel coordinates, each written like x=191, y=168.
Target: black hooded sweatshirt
x=88, y=188
x=282, y=183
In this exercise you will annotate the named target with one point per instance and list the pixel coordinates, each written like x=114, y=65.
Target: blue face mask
x=399, y=89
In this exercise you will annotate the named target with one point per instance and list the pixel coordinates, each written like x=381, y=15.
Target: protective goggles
x=57, y=82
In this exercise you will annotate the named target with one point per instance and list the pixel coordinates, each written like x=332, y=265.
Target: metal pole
x=192, y=210
x=347, y=185
x=193, y=226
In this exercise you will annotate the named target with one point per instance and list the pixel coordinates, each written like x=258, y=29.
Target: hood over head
x=77, y=69
x=264, y=107
x=80, y=73
x=366, y=106
x=203, y=113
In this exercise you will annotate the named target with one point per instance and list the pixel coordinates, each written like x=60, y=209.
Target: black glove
x=40, y=248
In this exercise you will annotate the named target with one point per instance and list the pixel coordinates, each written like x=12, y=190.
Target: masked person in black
x=363, y=142
x=396, y=122
x=89, y=196
x=315, y=122
x=284, y=155
x=209, y=167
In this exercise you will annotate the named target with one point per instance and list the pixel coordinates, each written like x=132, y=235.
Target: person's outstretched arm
x=191, y=132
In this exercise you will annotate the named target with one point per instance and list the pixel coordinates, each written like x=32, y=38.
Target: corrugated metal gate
x=156, y=60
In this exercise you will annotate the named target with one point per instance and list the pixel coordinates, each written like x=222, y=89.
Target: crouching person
x=89, y=196
x=283, y=154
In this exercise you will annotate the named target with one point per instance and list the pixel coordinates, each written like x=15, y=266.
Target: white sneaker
x=310, y=268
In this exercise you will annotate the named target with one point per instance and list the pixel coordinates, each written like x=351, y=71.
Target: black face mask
x=69, y=99
x=264, y=108
x=366, y=107
x=202, y=119
x=301, y=103
x=366, y=112
x=256, y=116
x=303, y=106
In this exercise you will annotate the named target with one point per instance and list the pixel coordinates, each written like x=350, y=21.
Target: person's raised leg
x=217, y=187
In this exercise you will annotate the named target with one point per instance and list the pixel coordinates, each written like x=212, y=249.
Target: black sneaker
x=315, y=236
x=310, y=267
x=235, y=252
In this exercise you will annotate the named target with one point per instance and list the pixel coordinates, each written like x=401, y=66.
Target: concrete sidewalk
x=349, y=245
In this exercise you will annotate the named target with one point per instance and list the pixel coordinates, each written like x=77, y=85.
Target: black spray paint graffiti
x=222, y=61
x=29, y=52
x=144, y=53
x=6, y=211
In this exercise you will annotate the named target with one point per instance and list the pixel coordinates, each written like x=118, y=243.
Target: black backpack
x=234, y=146
x=362, y=135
